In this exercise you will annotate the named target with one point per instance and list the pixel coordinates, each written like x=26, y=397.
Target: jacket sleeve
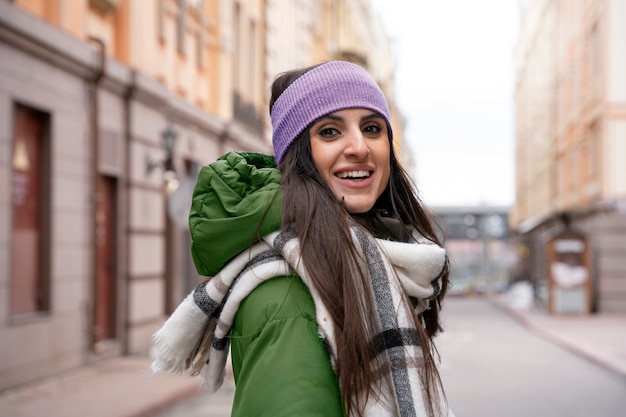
x=280, y=365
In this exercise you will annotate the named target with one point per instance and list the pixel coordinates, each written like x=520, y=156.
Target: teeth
x=354, y=174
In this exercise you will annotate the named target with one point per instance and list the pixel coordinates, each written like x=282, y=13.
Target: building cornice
x=35, y=36
x=56, y=47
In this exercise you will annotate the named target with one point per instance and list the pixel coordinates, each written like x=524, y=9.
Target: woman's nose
x=357, y=145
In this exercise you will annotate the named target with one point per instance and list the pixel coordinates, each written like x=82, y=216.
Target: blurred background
x=510, y=115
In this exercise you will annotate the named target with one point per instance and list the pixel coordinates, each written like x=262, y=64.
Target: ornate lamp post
x=169, y=137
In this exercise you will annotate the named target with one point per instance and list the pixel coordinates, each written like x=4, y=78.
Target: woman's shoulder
x=240, y=191
x=278, y=298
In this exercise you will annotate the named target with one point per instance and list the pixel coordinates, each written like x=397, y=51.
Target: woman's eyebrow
x=334, y=116
x=372, y=115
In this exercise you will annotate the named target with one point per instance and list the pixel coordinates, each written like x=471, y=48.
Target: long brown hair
x=312, y=212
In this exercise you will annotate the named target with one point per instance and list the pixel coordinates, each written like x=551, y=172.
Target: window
x=594, y=146
x=181, y=10
x=30, y=202
x=105, y=6
x=595, y=60
x=252, y=68
x=237, y=49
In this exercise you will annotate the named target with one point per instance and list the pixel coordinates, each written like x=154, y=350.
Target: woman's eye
x=328, y=132
x=373, y=128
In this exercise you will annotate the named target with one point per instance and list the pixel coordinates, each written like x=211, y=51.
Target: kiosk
x=570, y=280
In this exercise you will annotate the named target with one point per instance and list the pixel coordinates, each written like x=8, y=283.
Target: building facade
x=570, y=99
x=108, y=109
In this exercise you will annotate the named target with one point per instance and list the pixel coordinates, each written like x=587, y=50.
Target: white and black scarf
x=195, y=337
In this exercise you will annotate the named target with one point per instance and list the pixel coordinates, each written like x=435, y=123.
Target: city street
x=493, y=366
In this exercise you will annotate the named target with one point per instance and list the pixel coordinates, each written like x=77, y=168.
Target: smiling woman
x=350, y=149
x=330, y=291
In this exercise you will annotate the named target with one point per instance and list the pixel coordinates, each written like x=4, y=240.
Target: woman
x=327, y=273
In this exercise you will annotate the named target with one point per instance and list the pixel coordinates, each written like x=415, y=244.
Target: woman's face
x=351, y=151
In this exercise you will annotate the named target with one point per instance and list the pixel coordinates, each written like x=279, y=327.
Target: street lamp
x=168, y=142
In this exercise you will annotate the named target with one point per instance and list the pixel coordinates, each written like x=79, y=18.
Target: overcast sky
x=454, y=84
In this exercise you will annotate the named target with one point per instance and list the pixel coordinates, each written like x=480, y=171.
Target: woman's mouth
x=353, y=175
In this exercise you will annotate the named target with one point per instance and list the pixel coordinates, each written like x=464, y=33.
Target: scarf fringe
x=176, y=343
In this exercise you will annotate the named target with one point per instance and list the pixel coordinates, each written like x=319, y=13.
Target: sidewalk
x=120, y=387
x=599, y=338
x=124, y=387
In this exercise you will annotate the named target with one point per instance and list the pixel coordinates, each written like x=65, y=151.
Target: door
x=106, y=272
x=29, y=207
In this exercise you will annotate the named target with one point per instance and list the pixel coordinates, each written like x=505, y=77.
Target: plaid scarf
x=195, y=337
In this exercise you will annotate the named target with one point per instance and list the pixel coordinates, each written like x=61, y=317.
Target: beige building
x=93, y=238
x=571, y=142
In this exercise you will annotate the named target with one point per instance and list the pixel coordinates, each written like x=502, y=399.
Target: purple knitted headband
x=324, y=89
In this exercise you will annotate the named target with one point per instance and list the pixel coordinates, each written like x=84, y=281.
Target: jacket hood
x=236, y=201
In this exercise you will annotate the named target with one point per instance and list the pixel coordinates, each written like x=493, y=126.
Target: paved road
x=493, y=367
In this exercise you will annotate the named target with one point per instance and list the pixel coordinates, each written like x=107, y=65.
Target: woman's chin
x=357, y=205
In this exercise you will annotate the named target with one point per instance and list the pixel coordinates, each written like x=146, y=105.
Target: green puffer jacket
x=280, y=365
